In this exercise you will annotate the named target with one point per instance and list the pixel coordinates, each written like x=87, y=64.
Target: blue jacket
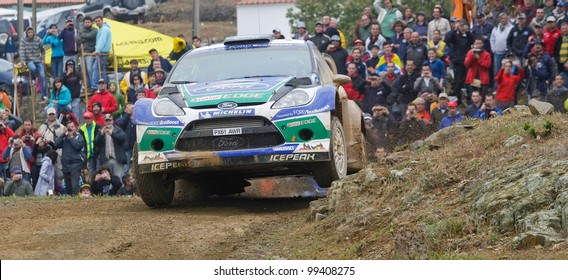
x=69, y=37
x=438, y=68
x=483, y=114
x=104, y=39
x=10, y=47
x=55, y=43
x=449, y=121
x=64, y=97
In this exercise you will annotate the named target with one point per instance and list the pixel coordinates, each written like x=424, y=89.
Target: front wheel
x=327, y=172
x=153, y=188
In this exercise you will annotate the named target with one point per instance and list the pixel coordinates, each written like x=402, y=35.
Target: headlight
x=166, y=107
x=292, y=99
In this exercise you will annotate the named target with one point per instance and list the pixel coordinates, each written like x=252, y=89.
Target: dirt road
x=125, y=228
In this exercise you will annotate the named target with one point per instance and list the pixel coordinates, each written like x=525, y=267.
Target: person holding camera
x=56, y=45
x=506, y=83
x=39, y=151
x=11, y=121
x=110, y=143
x=29, y=133
x=18, y=154
x=6, y=133
x=51, y=128
x=17, y=186
x=73, y=158
x=69, y=37
x=478, y=62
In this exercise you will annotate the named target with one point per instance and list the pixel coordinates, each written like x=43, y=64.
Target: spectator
x=483, y=30
x=421, y=112
x=389, y=56
x=437, y=66
x=390, y=77
x=69, y=36
x=51, y=128
x=5, y=102
x=519, y=36
x=356, y=87
x=373, y=61
x=301, y=33
x=160, y=77
x=384, y=127
x=338, y=54
x=128, y=186
x=277, y=33
x=427, y=82
x=60, y=97
x=46, y=179
x=412, y=128
x=558, y=94
x=164, y=63
x=409, y=19
x=10, y=49
x=405, y=85
x=530, y=10
x=497, y=8
x=440, y=110
x=32, y=54
x=72, y=81
x=559, y=13
x=110, y=142
x=180, y=47
x=17, y=186
x=375, y=39
x=564, y=73
x=561, y=47
x=73, y=157
x=416, y=50
x=453, y=116
x=476, y=101
x=126, y=124
x=89, y=130
x=363, y=54
x=506, y=83
x=40, y=150
x=438, y=44
x=488, y=109
x=363, y=28
x=119, y=97
x=56, y=46
x=85, y=191
x=358, y=61
x=544, y=69
x=18, y=154
x=12, y=121
x=478, y=62
x=387, y=15
x=137, y=85
x=102, y=49
x=438, y=23
x=152, y=86
x=86, y=39
x=104, y=182
x=320, y=39
x=29, y=133
x=420, y=26
x=375, y=94
x=128, y=78
x=333, y=26
x=398, y=38
x=6, y=134
x=499, y=41
x=539, y=19
x=459, y=42
x=551, y=34
x=107, y=100
x=195, y=42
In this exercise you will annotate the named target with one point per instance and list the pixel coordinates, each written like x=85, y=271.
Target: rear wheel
x=107, y=14
x=154, y=188
x=79, y=20
x=327, y=172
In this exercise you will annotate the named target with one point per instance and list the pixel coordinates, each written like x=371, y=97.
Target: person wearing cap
x=73, y=157
x=387, y=15
x=17, y=186
x=160, y=77
x=46, y=179
x=363, y=54
x=483, y=29
x=107, y=100
x=164, y=63
x=498, y=41
x=478, y=63
x=69, y=36
x=110, y=144
x=439, y=108
x=72, y=81
x=338, y=54
x=375, y=39
x=333, y=30
x=421, y=26
x=86, y=39
x=421, y=110
x=98, y=116
x=277, y=34
x=301, y=33
x=102, y=49
x=375, y=93
x=51, y=128
x=85, y=191
x=363, y=28
x=519, y=36
x=453, y=116
x=51, y=38
x=32, y=54
x=127, y=79
x=438, y=23
x=320, y=39
x=559, y=12
x=89, y=130
x=550, y=35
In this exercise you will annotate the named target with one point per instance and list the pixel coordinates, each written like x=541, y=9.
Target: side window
x=326, y=75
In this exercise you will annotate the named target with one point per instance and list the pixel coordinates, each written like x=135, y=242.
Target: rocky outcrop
x=540, y=108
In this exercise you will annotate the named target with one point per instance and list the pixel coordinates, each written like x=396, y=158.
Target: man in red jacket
x=5, y=134
x=478, y=62
x=103, y=96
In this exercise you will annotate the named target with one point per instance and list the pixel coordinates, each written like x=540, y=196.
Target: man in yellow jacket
x=127, y=78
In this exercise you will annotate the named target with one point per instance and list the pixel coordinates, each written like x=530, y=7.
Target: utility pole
x=196, y=23
x=21, y=33
x=34, y=15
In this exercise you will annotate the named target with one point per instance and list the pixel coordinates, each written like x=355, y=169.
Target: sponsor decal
x=166, y=122
x=230, y=142
x=233, y=112
x=227, y=105
x=206, y=98
x=157, y=132
x=150, y=158
x=292, y=157
x=168, y=165
x=248, y=86
x=302, y=122
x=308, y=147
x=323, y=102
x=285, y=148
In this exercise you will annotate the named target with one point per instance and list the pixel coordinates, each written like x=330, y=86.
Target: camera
x=27, y=138
x=69, y=129
x=477, y=50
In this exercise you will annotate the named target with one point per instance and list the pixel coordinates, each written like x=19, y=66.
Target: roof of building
x=255, y=2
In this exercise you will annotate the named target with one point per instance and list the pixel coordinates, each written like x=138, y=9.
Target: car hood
x=248, y=91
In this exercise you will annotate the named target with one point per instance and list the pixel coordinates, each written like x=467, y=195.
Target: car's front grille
x=255, y=132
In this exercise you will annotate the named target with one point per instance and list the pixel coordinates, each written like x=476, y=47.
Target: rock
x=563, y=180
x=370, y=178
x=561, y=205
x=416, y=145
x=443, y=136
x=399, y=157
x=525, y=146
x=522, y=109
x=320, y=216
x=540, y=229
x=540, y=108
x=317, y=207
x=513, y=140
x=399, y=174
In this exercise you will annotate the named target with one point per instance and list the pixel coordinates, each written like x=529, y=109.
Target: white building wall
x=262, y=19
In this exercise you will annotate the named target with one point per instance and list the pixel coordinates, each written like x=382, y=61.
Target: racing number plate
x=227, y=131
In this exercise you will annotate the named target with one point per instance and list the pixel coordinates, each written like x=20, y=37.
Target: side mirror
x=341, y=79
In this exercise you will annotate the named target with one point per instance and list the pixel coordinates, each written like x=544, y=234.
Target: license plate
x=227, y=131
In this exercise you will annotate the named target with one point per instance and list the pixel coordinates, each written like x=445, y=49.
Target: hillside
x=463, y=193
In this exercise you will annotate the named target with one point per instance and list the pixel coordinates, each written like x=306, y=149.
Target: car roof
x=251, y=40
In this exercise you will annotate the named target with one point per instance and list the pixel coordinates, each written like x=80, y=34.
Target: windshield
x=223, y=64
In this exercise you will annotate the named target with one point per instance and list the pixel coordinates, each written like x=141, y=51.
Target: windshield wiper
x=182, y=82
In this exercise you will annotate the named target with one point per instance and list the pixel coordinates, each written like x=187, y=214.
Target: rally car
x=248, y=108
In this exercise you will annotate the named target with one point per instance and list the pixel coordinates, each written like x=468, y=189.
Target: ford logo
x=228, y=143
x=227, y=105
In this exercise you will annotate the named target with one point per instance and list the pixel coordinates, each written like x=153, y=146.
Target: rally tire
x=327, y=172
x=108, y=15
x=154, y=190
